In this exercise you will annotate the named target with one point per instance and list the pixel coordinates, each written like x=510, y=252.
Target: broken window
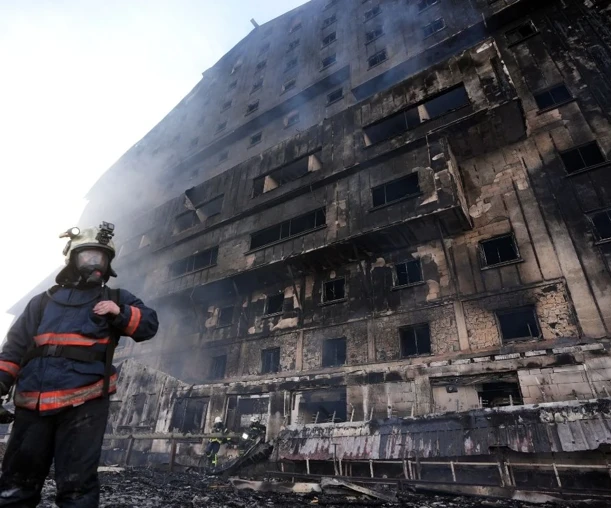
x=291, y=64
x=374, y=34
x=195, y=262
x=499, y=250
x=521, y=32
x=226, y=105
x=582, y=157
x=320, y=406
x=553, y=97
x=519, y=323
x=256, y=138
x=398, y=123
x=217, y=370
x=261, y=65
x=224, y=156
x=602, y=224
x=433, y=27
x=500, y=394
x=423, y=4
x=189, y=415
x=252, y=107
x=377, y=59
x=295, y=27
x=327, y=22
x=270, y=360
x=372, y=13
x=241, y=409
x=288, y=85
x=221, y=127
x=257, y=85
x=334, y=352
x=415, y=340
x=211, y=208
x=332, y=37
x=289, y=173
x=293, y=45
x=335, y=96
x=330, y=60
x=289, y=228
x=225, y=317
x=292, y=119
x=186, y=221
x=334, y=290
x=274, y=304
x=395, y=190
x=408, y=273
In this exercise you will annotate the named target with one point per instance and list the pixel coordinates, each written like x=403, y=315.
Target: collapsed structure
x=384, y=227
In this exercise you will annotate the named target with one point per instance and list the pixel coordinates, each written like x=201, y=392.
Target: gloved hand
x=4, y=390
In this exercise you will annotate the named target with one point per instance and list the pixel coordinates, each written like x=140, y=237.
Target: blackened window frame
x=212, y=252
x=270, y=360
x=378, y=54
x=330, y=60
x=221, y=321
x=383, y=187
x=333, y=101
x=508, y=33
x=294, y=44
x=484, y=265
x=332, y=35
x=599, y=239
x=372, y=13
x=334, y=282
x=215, y=367
x=413, y=331
x=604, y=161
x=327, y=22
x=255, y=139
x=375, y=33
x=336, y=344
x=556, y=104
x=318, y=212
x=278, y=306
x=292, y=82
x=413, y=262
x=427, y=29
x=511, y=312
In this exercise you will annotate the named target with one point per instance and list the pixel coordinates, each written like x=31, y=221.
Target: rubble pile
x=138, y=487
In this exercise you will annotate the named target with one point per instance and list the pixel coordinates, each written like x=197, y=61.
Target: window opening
x=327, y=22
x=270, y=360
x=602, y=224
x=320, y=406
x=395, y=190
x=521, y=32
x=499, y=250
x=295, y=27
x=292, y=119
x=289, y=228
x=332, y=37
x=335, y=96
x=226, y=105
x=330, y=60
x=225, y=317
x=198, y=261
x=219, y=364
x=408, y=273
x=252, y=107
x=186, y=221
x=261, y=65
x=330, y=4
x=334, y=290
x=257, y=85
x=553, y=97
x=224, y=156
x=285, y=174
x=189, y=414
x=293, y=45
x=377, y=59
x=232, y=85
x=500, y=394
x=288, y=85
x=582, y=157
x=433, y=27
x=517, y=324
x=374, y=34
x=274, y=304
x=221, y=127
x=334, y=352
x=372, y=13
x=211, y=208
x=415, y=340
x=291, y=64
x=423, y=4
x=256, y=138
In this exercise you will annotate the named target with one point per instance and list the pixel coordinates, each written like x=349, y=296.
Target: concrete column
x=461, y=325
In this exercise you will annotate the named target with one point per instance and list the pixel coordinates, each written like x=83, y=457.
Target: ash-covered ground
x=136, y=487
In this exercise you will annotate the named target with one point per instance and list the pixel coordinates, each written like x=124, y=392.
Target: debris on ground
x=144, y=488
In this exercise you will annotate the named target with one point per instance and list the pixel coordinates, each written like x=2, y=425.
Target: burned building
x=384, y=227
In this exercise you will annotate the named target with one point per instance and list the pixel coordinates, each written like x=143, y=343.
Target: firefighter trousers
x=72, y=439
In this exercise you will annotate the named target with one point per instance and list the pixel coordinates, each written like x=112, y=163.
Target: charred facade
x=384, y=227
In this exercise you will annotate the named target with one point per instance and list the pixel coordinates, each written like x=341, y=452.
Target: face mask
x=92, y=265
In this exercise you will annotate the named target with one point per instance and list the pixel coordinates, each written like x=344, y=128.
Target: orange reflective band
x=10, y=367
x=68, y=339
x=134, y=320
x=47, y=401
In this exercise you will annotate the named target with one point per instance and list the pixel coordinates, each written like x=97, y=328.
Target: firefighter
x=256, y=429
x=59, y=352
x=214, y=445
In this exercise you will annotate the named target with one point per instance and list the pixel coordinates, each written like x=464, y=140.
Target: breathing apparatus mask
x=92, y=265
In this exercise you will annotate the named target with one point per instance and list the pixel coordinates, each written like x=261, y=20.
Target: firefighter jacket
x=66, y=321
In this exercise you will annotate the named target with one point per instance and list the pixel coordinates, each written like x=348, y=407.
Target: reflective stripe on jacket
x=49, y=383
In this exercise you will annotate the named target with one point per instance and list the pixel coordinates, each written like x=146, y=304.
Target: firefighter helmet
x=218, y=419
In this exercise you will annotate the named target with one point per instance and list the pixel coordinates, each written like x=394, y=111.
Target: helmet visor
x=92, y=258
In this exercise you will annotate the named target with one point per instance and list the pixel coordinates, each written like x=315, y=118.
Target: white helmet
x=218, y=419
x=254, y=419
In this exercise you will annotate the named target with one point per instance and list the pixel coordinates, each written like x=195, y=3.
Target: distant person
x=256, y=428
x=214, y=445
x=60, y=352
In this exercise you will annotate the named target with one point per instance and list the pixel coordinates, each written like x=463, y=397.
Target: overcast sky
x=82, y=81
